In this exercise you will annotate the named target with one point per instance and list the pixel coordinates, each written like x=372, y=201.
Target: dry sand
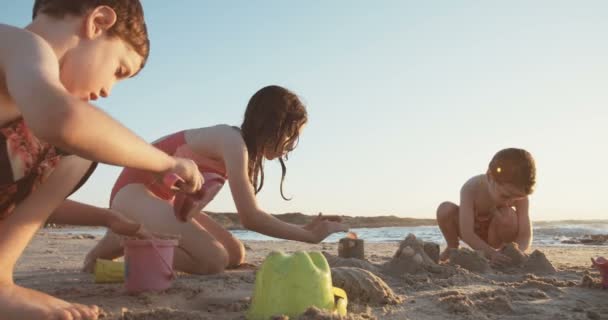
x=388, y=287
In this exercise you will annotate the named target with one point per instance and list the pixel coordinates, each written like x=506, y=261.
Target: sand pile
x=363, y=287
x=477, y=304
x=466, y=258
x=538, y=263
x=591, y=282
x=497, y=301
x=336, y=262
x=536, y=285
x=410, y=258
x=512, y=251
x=456, y=302
x=317, y=314
x=535, y=263
x=553, y=281
x=432, y=250
x=163, y=314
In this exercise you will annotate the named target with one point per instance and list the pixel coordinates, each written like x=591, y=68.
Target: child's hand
x=498, y=259
x=124, y=226
x=321, y=227
x=320, y=218
x=188, y=171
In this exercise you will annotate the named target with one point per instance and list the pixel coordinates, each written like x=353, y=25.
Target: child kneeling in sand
x=273, y=122
x=493, y=207
x=72, y=52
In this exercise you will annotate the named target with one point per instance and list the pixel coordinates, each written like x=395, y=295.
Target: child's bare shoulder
x=217, y=137
x=24, y=48
x=473, y=185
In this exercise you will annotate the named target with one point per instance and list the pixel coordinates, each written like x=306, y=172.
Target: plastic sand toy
x=148, y=264
x=290, y=284
x=108, y=271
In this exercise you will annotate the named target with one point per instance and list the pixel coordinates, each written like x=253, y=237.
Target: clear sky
x=406, y=99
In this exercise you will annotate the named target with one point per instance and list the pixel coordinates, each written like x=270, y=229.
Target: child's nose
x=106, y=90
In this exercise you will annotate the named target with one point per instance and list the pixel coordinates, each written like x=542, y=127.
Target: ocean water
x=545, y=233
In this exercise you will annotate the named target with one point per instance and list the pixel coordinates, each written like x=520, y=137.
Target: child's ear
x=98, y=21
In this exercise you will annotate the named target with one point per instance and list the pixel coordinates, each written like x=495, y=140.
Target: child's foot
x=21, y=303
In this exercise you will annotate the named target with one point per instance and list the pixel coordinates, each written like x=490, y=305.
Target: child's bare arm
x=80, y=214
x=524, y=233
x=32, y=75
x=252, y=217
x=76, y=213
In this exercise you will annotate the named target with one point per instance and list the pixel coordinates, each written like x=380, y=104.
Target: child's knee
x=236, y=253
x=507, y=217
x=215, y=261
x=446, y=211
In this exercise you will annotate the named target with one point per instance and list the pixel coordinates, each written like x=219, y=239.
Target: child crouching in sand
x=493, y=207
x=72, y=52
x=273, y=122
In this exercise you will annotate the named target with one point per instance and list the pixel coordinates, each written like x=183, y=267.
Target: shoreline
x=230, y=221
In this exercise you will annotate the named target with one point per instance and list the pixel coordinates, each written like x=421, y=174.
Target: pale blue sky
x=407, y=99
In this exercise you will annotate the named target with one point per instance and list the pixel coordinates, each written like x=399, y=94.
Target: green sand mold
x=290, y=284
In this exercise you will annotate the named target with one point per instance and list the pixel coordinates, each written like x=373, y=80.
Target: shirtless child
x=493, y=207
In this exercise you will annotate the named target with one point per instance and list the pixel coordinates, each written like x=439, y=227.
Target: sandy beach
x=389, y=289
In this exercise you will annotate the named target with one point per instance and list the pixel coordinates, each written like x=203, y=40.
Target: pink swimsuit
x=175, y=144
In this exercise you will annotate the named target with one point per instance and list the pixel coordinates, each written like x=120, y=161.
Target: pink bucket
x=148, y=264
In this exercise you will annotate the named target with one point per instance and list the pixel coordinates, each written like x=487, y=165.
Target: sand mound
x=432, y=250
x=535, y=263
x=363, y=286
x=527, y=295
x=473, y=261
x=490, y=301
x=497, y=301
x=317, y=314
x=498, y=305
x=456, y=302
x=458, y=277
x=410, y=258
x=512, y=251
x=538, y=284
x=336, y=262
x=163, y=314
x=538, y=263
x=589, y=282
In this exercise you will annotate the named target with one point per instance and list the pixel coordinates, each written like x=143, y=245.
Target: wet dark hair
x=273, y=114
x=514, y=166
